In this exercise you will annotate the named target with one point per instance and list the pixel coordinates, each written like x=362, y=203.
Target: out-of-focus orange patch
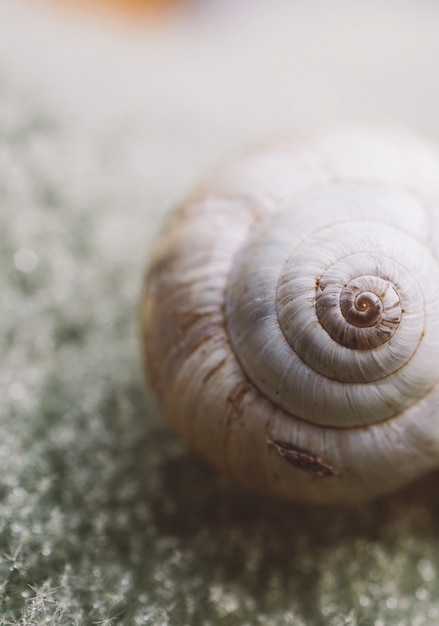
x=122, y=7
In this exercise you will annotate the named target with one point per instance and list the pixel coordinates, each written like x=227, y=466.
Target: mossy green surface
x=104, y=517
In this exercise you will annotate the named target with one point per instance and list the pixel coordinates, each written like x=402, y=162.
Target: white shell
x=291, y=316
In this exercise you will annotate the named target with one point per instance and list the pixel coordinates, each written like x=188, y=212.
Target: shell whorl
x=340, y=299
x=291, y=317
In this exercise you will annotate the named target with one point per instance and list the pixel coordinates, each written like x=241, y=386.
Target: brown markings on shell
x=186, y=320
x=303, y=459
x=236, y=399
x=214, y=370
x=196, y=343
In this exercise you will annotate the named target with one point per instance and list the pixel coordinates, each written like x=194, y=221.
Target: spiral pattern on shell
x=341, y=294
x=292, y=316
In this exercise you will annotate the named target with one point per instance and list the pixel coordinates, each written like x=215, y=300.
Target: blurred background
x=174, y=85
x=110, y=112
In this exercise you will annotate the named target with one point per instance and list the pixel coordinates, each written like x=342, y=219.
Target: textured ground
x=104, y=518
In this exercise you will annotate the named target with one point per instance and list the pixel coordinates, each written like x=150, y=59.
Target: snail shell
x=291, y=316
